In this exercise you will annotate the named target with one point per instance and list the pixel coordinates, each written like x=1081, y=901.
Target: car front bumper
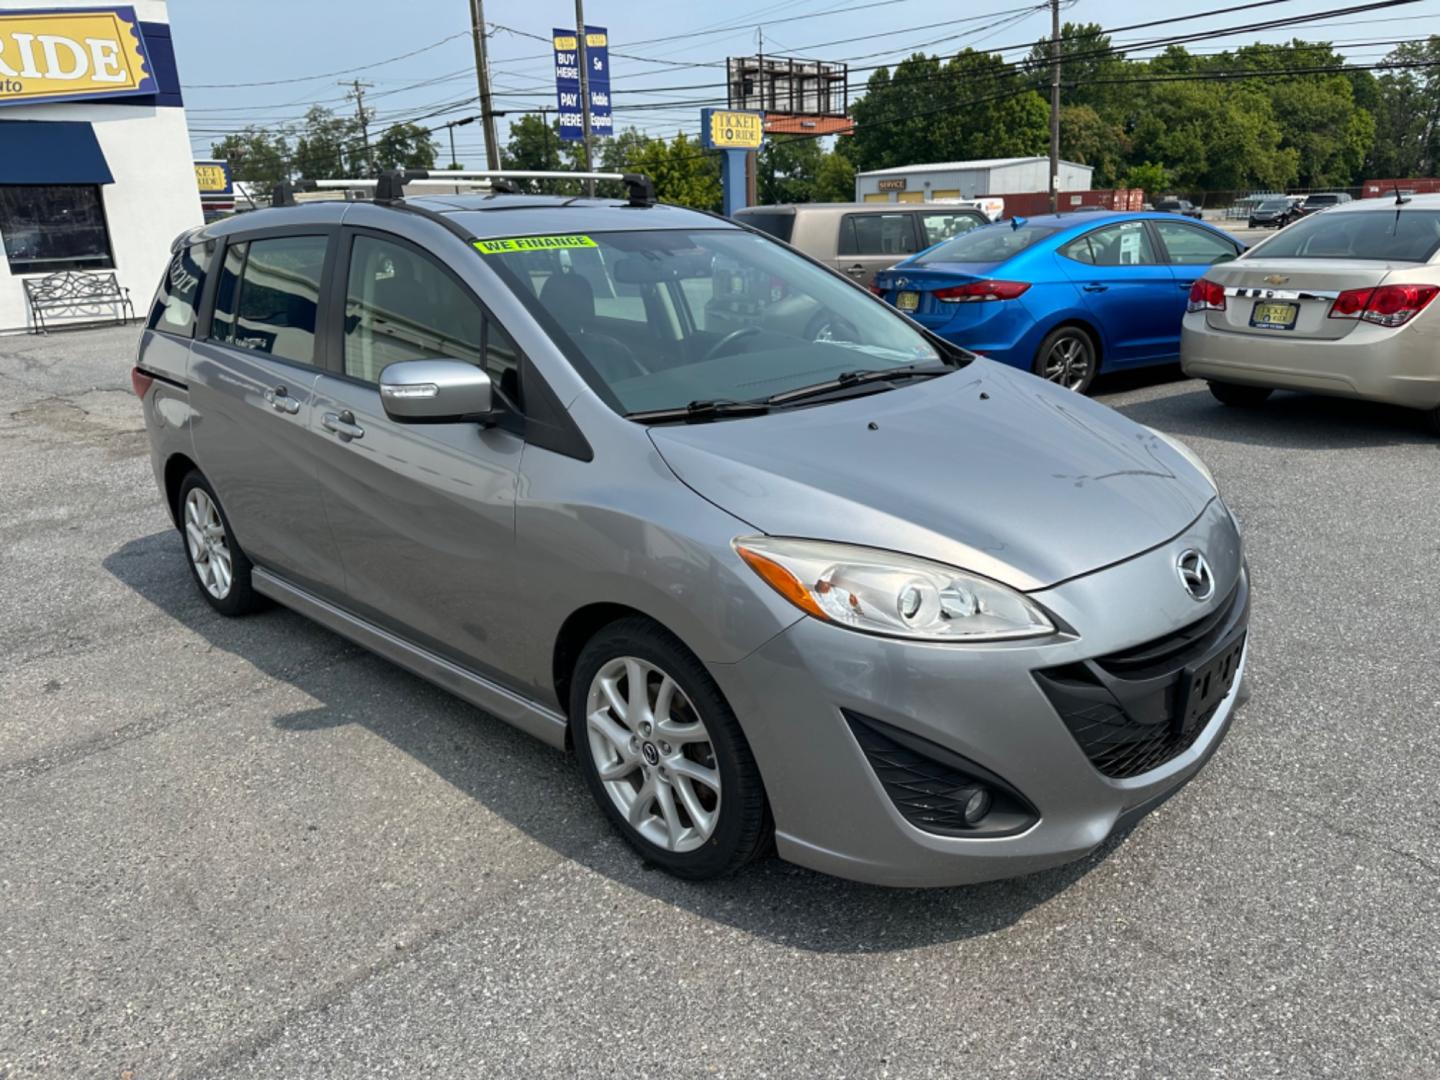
x=1399, y=366
x=981, y=702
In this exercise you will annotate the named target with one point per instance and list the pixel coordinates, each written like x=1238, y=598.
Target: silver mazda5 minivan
x=916, y=617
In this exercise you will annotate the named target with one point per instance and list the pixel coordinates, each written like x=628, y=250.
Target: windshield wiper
x=847, y=379
x=701, y=411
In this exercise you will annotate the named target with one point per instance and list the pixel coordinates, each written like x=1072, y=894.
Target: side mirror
x=436, y=392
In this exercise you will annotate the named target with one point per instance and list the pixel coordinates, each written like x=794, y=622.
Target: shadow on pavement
x=539, y=791
x=1293, y=420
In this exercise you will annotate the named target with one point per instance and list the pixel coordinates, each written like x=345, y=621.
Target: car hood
x=988, y=468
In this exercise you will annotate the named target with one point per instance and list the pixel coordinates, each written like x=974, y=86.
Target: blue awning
x=51, y=152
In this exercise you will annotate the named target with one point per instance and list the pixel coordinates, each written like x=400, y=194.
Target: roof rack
x=390, y=184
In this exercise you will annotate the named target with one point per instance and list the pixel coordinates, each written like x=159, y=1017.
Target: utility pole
x=584, y=89
x=357, y=91
x=1054, y=106
x=482, y=76
x=545, y=123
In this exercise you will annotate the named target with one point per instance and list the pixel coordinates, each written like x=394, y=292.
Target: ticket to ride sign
x=53, y=55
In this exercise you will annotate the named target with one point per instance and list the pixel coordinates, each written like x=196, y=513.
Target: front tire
x=217, y=564
x=1068, y=358
x=663, y=754
x=1239, y=396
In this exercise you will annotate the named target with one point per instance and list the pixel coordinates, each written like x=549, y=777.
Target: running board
x=529, y=716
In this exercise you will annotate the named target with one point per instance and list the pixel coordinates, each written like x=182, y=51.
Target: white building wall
x=154, y=197
x=1019, y=177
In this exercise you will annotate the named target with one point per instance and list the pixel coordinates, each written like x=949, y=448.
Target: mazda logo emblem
x=1195, y=574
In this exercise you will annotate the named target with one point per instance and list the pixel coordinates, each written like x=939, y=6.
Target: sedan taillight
x=977, y=291
x=1206, y=295
x=1386, y=305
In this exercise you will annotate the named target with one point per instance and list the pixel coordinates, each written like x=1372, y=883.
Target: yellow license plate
x=1273, y=316
x=907, y=301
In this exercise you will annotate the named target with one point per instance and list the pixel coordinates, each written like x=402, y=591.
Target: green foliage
x=683, y=173
x=1151, y=178
x=405, y=146
x=256, y=157
x=835, y=179
x=786, y=169
x=328, y=147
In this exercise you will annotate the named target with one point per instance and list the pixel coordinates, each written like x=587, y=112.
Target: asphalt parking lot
x=248, y=848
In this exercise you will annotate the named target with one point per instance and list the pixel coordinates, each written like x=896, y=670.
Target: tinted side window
x=174, y=309
x=1188, y=246
x=399, y=305
x=777, y=224
x=877, y=234
x=279, y=293
x=1126, y=244
x=227, y=292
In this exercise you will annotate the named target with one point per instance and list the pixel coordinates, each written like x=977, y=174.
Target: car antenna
x=1400, y=200
x=1016, y=222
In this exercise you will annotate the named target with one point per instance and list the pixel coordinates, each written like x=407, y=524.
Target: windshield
x=1274, y=206
x=988, y=244
x=1348, y=234
x=664, y=318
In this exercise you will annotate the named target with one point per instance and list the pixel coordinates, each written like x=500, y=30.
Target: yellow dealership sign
x=725, y=129
x=49, y=55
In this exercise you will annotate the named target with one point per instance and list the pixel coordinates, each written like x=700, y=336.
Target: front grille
x=930, y=785
x=1125, y=708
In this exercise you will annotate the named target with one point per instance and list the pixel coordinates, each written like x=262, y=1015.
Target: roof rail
x=391, y=184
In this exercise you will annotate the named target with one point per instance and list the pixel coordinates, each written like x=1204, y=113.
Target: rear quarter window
x=178, y=298
x=781, y=226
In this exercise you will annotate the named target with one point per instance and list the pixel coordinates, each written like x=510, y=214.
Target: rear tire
x=1240, y=396
x=1068, y=357
x=219, y=567
x=663, y=754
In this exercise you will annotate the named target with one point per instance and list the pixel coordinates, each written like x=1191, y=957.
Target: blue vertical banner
x=567, y=82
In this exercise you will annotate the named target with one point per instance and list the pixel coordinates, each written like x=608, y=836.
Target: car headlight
x=1188, y=454
x=880, y=592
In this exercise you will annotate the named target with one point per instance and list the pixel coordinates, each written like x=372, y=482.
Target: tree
x=405, y=146
x=1087, y=138
x=683, y=173
x=256, y=157
x=327, y=145
x=1407, y=113
x=973, y=106
x=787, y=168
x=835, y=178
x=1149, y=177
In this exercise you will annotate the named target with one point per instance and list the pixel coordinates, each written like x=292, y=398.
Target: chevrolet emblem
x=1276, y=279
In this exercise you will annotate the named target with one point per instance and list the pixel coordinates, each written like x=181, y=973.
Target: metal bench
x=71, y=292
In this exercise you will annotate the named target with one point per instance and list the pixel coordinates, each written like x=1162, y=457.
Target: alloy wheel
x=653, y=754
x=1068, y=362
x=209, y=550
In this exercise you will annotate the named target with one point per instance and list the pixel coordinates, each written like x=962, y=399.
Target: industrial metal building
x=967, y=179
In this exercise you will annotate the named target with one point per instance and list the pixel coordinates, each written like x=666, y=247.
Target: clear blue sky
x=676, y=49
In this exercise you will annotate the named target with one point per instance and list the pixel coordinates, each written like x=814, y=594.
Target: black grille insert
x=930, y=785
x=1127, y=710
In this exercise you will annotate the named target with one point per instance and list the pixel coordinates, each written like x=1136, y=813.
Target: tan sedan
x=1338, y=303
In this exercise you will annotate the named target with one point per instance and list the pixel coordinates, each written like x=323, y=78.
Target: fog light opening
x=977, y=805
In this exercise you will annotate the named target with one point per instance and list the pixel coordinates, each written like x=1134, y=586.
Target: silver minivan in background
x=908, y=615
x=861, y=239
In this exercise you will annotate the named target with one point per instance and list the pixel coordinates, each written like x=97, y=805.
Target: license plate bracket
x=1274, y=315
x=1204, y=685
x=907, y=301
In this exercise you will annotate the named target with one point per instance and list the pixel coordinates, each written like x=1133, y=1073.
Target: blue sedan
x=1063, y=295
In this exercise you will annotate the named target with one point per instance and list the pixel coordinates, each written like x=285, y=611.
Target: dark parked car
x=1321, y=200
x=1178, y=206
x=1273, y=212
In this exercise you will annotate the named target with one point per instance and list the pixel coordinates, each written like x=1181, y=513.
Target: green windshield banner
x=533, y=243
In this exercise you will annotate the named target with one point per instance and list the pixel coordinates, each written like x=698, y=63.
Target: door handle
x=856, y=269
x=343, y=424
x=1095, y=286
x=280, y=400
